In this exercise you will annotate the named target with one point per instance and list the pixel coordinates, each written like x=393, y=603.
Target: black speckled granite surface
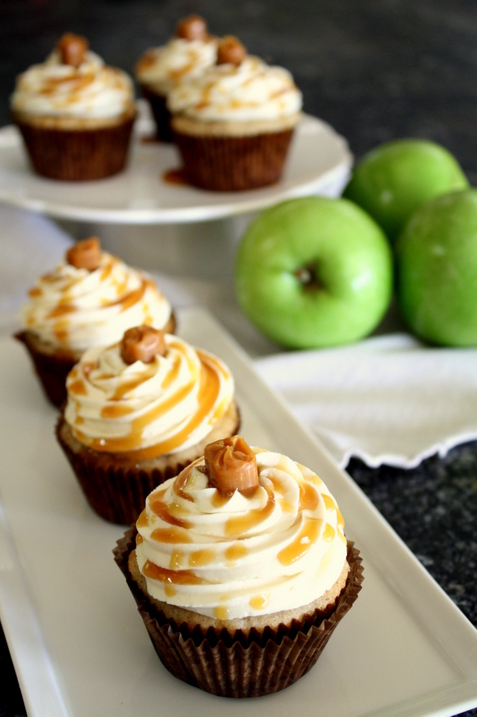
x=375, y=70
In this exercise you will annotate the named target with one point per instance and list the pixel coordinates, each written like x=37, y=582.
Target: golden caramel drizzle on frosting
x=250, y=557
x=302, y=543
x=208, y=392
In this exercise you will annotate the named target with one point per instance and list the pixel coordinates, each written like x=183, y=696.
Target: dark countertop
x=374, y=71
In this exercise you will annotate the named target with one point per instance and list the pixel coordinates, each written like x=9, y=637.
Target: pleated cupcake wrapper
x=239, y=664
x=162, y=116
x=115, y=489
x=80, y=154
x=233, y=163
x=51, y=369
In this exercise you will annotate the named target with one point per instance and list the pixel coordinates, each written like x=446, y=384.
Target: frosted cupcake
x=89, y=299
x=241, y=570
x=139, y=411
x=160, y=69
x=234, y=123
x=75, y=113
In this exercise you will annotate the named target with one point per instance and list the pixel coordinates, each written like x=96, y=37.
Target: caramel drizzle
x=64, y=307
x=298, y=548
x=171, y=577
x=240, y=524
x=209, y=389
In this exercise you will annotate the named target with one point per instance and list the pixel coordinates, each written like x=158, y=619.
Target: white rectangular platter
x=78, y=644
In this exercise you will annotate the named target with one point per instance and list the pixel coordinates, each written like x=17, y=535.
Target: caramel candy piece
x=193, y=27
x=85, y=254
x=72, y=49
x=230, y=465
x=230, y=51
x=142, y=343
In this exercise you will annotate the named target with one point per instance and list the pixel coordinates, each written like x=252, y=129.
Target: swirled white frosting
x=76, y=308
x=249, y=92
x=92, y=90
x=154, y=408
x=161, y=68
x=280, y=548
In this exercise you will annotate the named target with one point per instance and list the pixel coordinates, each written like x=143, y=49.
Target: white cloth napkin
x=387, y=399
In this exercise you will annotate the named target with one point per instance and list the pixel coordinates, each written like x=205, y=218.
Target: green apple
x=436, y=263
x=396, y=178
x=314, y=272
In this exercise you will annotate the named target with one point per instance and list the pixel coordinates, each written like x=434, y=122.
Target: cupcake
x=240, y=570
x=138, y=412
x=75, y=113
x=160, y=69
x=89, y=299
x=234, y=123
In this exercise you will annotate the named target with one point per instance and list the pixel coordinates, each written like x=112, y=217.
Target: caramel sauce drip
x=181, y=71
x=170, y=536
x=222, y=612
x=237, y=525
x=308, y=497
x=61, y=310
x=328, y=533
x=61, y=330
x=258, y=602
x=77, y=388
x=209, y=389
x=115, y=410
x=330, y=504
x=132, y=298
x=177, y=560
x=163, y=511
x=199, y=558
x=143, y=520
x=181, y=482
x=220, y=499
x=172, y=577
x=302, y=543
x=176, y=177
x=236, y=551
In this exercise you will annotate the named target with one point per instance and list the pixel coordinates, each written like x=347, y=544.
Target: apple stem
x=307, y=276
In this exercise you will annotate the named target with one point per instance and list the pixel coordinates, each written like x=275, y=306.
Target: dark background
x=375, y=70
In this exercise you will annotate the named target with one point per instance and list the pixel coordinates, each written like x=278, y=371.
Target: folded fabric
x=387, y=399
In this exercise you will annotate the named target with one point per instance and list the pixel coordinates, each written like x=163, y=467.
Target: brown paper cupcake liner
x=115, y=487
x=229, y=164
x=79, y=154
x=240, y=665
x=51, y=368
x=162, y=116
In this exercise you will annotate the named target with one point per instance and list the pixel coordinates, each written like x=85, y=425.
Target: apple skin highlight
x=314, y=272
